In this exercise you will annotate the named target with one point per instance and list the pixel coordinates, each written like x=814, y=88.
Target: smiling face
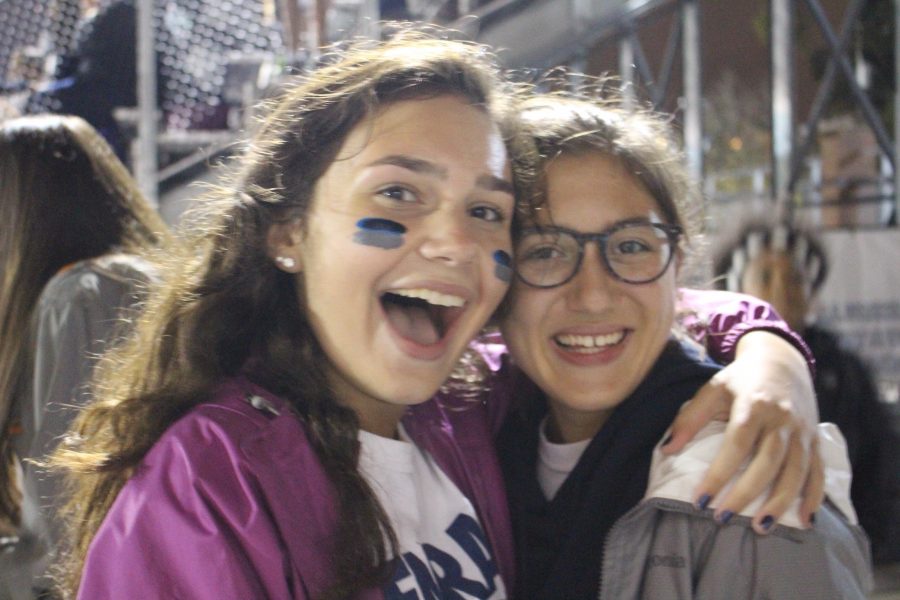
x=589, y=343
x=396, y=260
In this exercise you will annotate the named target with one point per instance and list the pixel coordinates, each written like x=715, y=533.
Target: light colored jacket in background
x=81, y=311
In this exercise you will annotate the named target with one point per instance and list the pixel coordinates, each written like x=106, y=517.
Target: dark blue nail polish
x=767, y=522
x=725, y=517
x=812, y=518
x=703, y=501
x=667, y=440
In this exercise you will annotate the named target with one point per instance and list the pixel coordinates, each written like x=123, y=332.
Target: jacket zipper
x=601, y=584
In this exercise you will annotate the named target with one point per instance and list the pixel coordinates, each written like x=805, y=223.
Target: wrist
x=771, y=348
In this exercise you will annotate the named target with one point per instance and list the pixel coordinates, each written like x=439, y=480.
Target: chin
x=411, y=395
x=594, y=398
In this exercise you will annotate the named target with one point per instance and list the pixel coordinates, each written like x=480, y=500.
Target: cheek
x=659, y=305
x=667, y=317
x=337, y=266
x=380, y=233
x=520, y=326
x=503, y=266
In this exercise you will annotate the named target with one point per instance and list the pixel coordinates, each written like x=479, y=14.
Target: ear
x=284, y=245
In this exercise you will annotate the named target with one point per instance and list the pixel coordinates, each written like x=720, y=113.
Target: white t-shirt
x=444, y=551
x=556, y=461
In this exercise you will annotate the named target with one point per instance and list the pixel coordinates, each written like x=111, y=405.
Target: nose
x=593, y=289
x=448, y=239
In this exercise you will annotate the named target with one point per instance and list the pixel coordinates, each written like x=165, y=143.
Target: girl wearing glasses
x=591, y=324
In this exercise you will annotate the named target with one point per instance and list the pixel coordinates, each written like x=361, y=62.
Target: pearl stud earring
x=286, y=261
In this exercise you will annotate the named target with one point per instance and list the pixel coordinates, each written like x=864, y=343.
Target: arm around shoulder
x=718, y=319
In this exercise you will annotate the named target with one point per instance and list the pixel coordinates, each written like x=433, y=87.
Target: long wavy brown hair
x=64, y=197
x=224, y=308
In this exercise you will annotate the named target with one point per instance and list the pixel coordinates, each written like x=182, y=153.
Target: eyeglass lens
x=636, y=254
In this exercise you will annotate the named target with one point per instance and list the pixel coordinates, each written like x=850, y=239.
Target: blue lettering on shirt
x=440, y=576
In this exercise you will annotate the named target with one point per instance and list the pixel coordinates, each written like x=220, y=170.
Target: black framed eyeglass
x=633, y=252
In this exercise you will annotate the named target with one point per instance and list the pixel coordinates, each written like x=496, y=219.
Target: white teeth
x=590, y=341
x=431, y=296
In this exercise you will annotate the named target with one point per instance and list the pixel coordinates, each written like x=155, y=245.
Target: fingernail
x=667, y=440
x=767, y=522
x=703, y=501
x=725, y=517
x=812, y=518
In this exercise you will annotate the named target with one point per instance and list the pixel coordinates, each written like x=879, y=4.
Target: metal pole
x=145, y=159
x=693, y=90
x=869, y=113
x=626, y=69
x=371, y=15
x=897, y=113
x=826, y=90
x=782, y=100
x=576, y=68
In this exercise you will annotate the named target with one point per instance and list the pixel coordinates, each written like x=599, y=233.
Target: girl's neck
x=381, y=422
x=374, y=414
x=567, y=426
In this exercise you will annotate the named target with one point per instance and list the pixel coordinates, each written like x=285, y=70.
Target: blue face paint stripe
x=503, y=266
x=374, y=224
x=381, y=233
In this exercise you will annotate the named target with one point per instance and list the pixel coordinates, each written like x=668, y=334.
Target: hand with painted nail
x=767, y=398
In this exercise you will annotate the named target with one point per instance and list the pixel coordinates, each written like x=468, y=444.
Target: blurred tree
x=736, y=127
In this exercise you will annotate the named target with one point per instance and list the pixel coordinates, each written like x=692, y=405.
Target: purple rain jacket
x=232, y=502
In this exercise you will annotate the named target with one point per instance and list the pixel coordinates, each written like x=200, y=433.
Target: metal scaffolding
x=145, y=160
x=544, y=33
x=580, y=27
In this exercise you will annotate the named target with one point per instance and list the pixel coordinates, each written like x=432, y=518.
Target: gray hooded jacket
x=665, y=548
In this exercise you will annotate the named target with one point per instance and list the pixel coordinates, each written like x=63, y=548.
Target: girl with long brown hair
x=75, y=227
x=242, y=445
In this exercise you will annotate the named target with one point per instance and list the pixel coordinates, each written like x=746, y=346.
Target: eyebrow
x=495, y=184
x=417, y=165
x=550, y=228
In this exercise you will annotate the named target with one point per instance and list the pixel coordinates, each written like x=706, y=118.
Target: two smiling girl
x=270, y=430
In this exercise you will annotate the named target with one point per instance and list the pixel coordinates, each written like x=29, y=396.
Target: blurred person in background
x=786, y=266
x=75, y=230
x=99, y=72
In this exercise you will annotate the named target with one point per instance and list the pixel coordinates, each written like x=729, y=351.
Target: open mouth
x=588, y=344
x=421, y=315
